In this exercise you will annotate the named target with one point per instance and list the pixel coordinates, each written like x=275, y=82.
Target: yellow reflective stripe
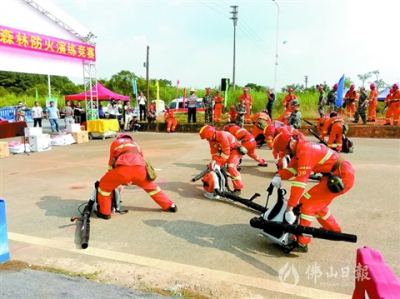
x=327, y=156
x=238, y=131
x=154, y=192
x=217, y=154
x=307, y=217
x=201, y=130
x=326, y=216
x=307, y=195
x=231, y=165
x=236, y=178
x=110, y=167
x=103, y=192
x=292, y=170
x=233, y=139
x=299, y=184
x=125, y=145
x=224, y=156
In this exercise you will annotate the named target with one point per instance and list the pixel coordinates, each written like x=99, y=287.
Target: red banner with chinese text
x=25, y=40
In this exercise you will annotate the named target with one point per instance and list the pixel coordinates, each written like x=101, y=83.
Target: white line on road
x=215, y=275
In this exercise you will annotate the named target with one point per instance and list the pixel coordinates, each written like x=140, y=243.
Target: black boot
x=102, y=216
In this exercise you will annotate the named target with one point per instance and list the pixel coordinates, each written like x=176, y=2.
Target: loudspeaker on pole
x=223, y=83
x=4, y=248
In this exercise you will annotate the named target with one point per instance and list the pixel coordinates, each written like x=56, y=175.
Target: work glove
x=276, y=161
x=277, y=182
x=290, y=217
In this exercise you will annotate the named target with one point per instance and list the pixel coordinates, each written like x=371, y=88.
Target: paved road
x=208, y=247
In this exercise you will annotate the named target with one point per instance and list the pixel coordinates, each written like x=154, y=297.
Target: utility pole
x=235, y=19
x=147, y=75
x=276, y=53
x=306, y=79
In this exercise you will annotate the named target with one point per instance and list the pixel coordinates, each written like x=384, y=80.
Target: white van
x=177, y=105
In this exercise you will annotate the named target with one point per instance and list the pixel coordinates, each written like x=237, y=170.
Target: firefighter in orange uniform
x=351, y=99
x=232, y=113
x=395, y=104
x=287, y=100
x=308, y=157
x=247, y=140
x=170, y=119
x=218, y=100
x=261, y=120
x=248, y=102
x=224, y=150
x=126, y=166
x=333, y=127
x=389, y=110
x=372, y=103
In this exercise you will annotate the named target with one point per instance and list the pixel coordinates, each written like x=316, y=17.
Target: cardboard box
x=32, y=131
x=4, y=150
x=81, y=137
x=40, y=143
x=71, y=128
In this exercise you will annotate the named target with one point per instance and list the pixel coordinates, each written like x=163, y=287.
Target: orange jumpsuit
x=285, y=116
x=395, y=104
x=232, y=115
x=127, y=166
x=372, y=103
x=334, y=128
x=218, y=100
x=262, y=118
x=248, y=102
x=171, y=121
x=224, y=150
x=389, y=110
x=351, y=99
x=287, y=102
x=247, y=140
x=311, y=157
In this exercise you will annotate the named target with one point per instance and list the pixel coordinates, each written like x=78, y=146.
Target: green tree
x=364, y=77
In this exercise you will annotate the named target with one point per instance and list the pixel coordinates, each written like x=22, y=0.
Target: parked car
x=177, y=105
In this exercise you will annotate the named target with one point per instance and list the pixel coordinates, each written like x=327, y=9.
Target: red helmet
x=124, y=135
x=281, y=142
x=395, y=86
x=232, y=107
x=290, y=89
x=320, y=87
x=245, y=89
x=208, y=90
x=269, y=130
x=335, y=86
x=218, y=91
x=372, y=86
x=167, y=108
x=207, y=132
x=352, y=86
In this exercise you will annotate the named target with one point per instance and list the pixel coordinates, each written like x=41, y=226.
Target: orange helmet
x=372, y=86
x=290, y=89
x=245, y=89
x=281, y=142
x=270, y=130
x=232, y=107
x=207, y=132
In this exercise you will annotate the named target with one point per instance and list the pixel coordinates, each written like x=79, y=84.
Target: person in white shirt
x=115, y=111
x=128, y=115
x=37, y=114
x=142, y=106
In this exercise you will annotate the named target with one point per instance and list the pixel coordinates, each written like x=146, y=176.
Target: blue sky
x=193, y=40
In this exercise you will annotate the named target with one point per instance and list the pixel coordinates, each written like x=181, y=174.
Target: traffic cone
x=4, y=249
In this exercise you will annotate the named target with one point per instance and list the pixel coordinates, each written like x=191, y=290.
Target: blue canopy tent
x=383, y=94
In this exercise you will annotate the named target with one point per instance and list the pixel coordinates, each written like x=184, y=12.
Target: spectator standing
x=362, y=107
x=69, y=114
x=37, y=114
x=20, y=112
x=78, y=110
x=142, y=106
x=331, y=99
x=192, y=102
x=128, y=115
x=208, y=104
x=248, y=102
x=271, y=101
x=114, y=109
x=218, y=100
x=372, y=103
x=321, y=101
x=53, y=115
